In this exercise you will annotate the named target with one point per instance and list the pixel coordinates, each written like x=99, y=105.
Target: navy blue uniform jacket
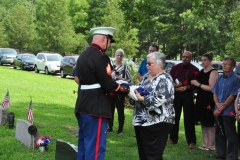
x=93, y=66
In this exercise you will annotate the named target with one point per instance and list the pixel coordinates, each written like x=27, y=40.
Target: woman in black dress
x=204, y=102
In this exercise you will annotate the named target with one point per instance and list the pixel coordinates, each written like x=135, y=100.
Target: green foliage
x=55, y=28
x=233, y=47
x=3, y=42
x=79, y=15
x=125, y=39
x=20, y=29
x=63, y=26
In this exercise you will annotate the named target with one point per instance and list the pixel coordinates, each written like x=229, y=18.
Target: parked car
x=67, y=65
x=170, y=63
x=24, y=61
x=128, y=62
x=7, y=55
x=218, y=66
x=47, y=62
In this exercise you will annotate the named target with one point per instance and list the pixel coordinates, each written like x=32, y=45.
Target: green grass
x=53, y=107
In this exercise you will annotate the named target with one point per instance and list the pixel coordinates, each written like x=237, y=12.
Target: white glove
x=132, y=94
x=121, y=81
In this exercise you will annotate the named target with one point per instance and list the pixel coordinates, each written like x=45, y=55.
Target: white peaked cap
x=108, y=31
x=103, y=30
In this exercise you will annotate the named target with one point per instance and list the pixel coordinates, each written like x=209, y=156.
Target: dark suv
x=67, y=65
x=7, y=55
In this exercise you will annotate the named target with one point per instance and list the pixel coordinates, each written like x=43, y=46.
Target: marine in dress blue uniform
x=93, y=104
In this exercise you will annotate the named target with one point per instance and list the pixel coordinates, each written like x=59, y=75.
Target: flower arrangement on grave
x=42, y=143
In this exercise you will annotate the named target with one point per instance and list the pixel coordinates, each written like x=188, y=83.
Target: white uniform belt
x=92, y=86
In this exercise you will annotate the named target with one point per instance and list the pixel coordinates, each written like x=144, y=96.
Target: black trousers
x=151, y=140
x=226, y=137
x=184, y=100
x=118, y=102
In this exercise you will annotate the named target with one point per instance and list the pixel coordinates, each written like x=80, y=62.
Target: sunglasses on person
x=149, y=63
x=119, y=55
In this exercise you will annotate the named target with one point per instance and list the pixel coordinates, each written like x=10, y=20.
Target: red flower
x=185, y=82
x=196, y=73
x=232, y=114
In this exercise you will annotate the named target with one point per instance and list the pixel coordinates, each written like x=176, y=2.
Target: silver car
x=7, y=55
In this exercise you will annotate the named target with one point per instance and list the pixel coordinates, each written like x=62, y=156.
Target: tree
x=78, y=12
x=125, y=39
x=158, y=22
x=233, y=47
x=55, y=29
x=20, y=29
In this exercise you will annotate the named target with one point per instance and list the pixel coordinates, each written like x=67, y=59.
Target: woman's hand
x=195, y=83
x=119, y=77
x=139, y=97
x=178, y=85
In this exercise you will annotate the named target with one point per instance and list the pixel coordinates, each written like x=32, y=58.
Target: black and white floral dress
x=158, y=105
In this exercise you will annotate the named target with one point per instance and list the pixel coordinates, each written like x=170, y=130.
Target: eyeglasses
x=119, y=55
x=185, y=57
x=223, y=64
x=149, y=63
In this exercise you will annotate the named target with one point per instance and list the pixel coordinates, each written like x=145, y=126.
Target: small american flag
x=6, y=101
x=30, y=112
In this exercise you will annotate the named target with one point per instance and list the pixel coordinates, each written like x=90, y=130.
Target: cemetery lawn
x=53, y=108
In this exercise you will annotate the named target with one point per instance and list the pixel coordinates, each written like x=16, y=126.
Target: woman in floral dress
x=153, y=116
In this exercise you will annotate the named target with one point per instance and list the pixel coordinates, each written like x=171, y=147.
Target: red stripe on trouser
x=98, y=137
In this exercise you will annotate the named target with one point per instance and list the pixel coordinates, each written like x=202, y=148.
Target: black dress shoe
x=216, y=157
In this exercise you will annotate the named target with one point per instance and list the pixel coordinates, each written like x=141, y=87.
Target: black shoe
x=216, y=157
x=109, y=130
x=119, y=132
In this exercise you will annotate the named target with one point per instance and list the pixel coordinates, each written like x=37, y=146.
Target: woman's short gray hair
x=119, y=50
x=158, y=57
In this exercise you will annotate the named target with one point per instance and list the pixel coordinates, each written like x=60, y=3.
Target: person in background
x=237, y=116
x=92, y=107
x=153, y=114
x=143, y=69
x=182, y=75
x=224, y=94
x=121, y=72
x=204, y=101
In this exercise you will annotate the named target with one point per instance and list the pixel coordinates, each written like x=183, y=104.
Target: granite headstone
x=3, y=116
x=65, y=151
x=23, y=135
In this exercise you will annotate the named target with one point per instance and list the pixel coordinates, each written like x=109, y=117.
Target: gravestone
x=23, y=135
x=3, y=116
x=65, y=151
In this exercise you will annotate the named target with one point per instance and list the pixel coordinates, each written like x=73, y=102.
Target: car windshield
x=9, y=51
x=54, y=58
x=28, y=57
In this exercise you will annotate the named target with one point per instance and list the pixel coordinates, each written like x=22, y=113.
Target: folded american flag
x=140, y=90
